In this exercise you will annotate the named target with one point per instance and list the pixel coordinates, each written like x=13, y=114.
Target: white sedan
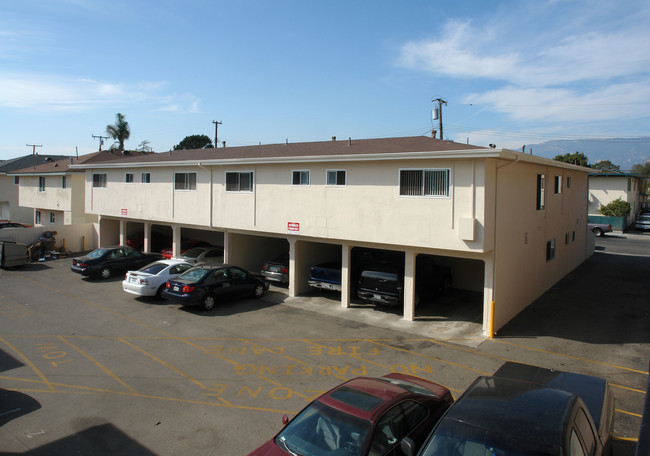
x=151, y=279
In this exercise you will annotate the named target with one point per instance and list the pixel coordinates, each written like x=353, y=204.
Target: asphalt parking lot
x=87, y=369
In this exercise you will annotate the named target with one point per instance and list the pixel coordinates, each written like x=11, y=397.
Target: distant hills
x=623, y=152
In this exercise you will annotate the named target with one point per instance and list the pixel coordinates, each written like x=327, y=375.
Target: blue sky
x=512, y=72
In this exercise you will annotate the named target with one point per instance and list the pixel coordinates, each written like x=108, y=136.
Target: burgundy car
x=363, y=416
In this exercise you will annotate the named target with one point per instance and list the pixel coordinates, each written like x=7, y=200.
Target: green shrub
x=617, y=208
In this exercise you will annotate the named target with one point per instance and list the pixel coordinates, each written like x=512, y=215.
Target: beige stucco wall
x=521, y=271
x=9, y=201
x=605, y=189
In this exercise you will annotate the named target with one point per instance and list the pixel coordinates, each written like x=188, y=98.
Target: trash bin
x=12, y=254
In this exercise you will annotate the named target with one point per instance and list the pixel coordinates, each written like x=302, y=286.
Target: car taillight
x=264, y=267
x=188, y=289
x=284, y=270
x=168, y=285
x=144, y=282
x=83, y=265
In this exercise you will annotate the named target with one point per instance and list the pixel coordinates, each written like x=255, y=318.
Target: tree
x=575, y=159
x=642, y=169
x=144, y=146
x=120, y=131
x=194, y=142
x=617, y=208
x=606, y=165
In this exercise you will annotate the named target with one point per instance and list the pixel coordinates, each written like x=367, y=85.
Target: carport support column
x=122, y=232
x=293, y=269
x=176, y=240
x=147, y=237
x=409, y=285
x=345, y=275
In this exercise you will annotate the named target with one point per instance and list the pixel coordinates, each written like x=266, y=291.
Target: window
x=52, y=217
x=128, y=178
x=41, y=184
x=585, y=431
x=145, y=178
x=575, y=449
x=99, y=180
x=239, y=181
x=550, y=250
x=567, y=238
x=300, y=178
x=64, y=184
x=424, y=182
x=396, y=424
x=185, y=181
x=568, y=182
x=37, y=218
x=558, y=185
x=336, y=177
x=16, y=180
x=540, y=191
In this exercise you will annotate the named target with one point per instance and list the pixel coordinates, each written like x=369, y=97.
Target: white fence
x=74, y=238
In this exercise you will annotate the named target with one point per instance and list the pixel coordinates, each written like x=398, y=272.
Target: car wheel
x=258, y=291
x=208, y=302
x=159, y=292
x=598, y=232
x=105, y=273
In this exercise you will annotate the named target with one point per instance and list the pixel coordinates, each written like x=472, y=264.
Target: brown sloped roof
x=306, y=149
x=63, y=166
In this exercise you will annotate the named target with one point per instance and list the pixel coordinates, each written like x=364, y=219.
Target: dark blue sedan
x=107, y=261
x=206, y=284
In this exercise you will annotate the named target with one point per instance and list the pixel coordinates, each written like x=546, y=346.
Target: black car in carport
x=203, y=285
x=106, y=261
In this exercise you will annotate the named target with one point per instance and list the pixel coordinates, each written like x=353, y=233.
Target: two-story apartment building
x=608, y=186
x=508, y=225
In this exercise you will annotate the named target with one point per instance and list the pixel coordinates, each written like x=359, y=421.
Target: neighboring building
x=608, y=186
x=509, y=225
x=9, y=207
x=54, y=192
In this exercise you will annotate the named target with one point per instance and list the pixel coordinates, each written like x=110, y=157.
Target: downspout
x=211, y=196
x=494, y=242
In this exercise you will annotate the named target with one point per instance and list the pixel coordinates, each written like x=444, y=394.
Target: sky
x=512, y=72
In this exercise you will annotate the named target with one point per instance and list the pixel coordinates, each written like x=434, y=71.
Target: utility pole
x=216, y=129
x=34, y=146
x=101, y=140
x=439, y=111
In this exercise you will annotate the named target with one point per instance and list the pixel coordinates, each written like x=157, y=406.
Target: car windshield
x=97, y=253
x=194, y=274
x=153, y=268
x=193, y=253
x=321, y=430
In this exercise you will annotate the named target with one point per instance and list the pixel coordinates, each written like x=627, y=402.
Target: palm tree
x=120, y=131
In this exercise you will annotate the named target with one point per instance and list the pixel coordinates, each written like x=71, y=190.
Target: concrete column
x=226, y=247
x=176, y=240
x=293, y=268
x=409, y=285
x=346, y=265
x=147, y=237
x=122, y=232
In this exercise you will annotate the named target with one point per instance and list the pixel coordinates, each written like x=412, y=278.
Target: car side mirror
x=285, y=420
x=407, y=446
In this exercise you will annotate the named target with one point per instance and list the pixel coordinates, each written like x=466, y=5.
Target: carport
x=250, y=251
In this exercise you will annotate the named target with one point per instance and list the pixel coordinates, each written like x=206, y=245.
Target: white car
x=151, y=279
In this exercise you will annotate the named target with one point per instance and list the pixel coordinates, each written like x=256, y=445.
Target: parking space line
x=637, y=415
x=627, y=388
x=97, y=363
x=29, y=363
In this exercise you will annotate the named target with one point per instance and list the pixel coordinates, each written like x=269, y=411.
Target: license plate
x=133, y=279
x=176, y=288
x=377, y=297
x=274, y=269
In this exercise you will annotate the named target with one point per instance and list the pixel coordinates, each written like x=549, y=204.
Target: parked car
x=10, y=224
x=151, y=279
x=599, y=229
x=277, y=270
x=185, y=245
x=526, y=410
x=362, y=416
x=107, y=261
x=207, y=284
x=326, y=276
x=158, y=241
x=383, y=283
x=643, y=222
x=204, y=254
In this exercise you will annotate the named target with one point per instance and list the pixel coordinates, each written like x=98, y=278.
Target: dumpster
x=12, y=254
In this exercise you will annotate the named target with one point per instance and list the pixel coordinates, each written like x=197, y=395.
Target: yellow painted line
x=629, y=413
x=29, y=363
x=98, y=364
x=167, y=365
x=309, y=341
x=571, y=357
x=626, y=439
x=627, y=388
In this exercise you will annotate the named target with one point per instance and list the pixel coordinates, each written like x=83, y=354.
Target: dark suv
x=382, y=283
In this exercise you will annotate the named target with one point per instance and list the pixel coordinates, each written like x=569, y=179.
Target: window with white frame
x=184, y=181
x=41, y=184
x=99, y=180
x=128, y=178
x=424, y=182
x=64, y=183
x=52, y=218
x=558, y=185
x=336, y=177
x=37, y=217
x=239, y=181
x=300, y=177
x=145, y=178
x=550, y=250
x=540, y=191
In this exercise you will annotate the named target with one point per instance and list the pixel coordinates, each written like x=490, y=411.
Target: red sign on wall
x=124, y=212
x=293, y=227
